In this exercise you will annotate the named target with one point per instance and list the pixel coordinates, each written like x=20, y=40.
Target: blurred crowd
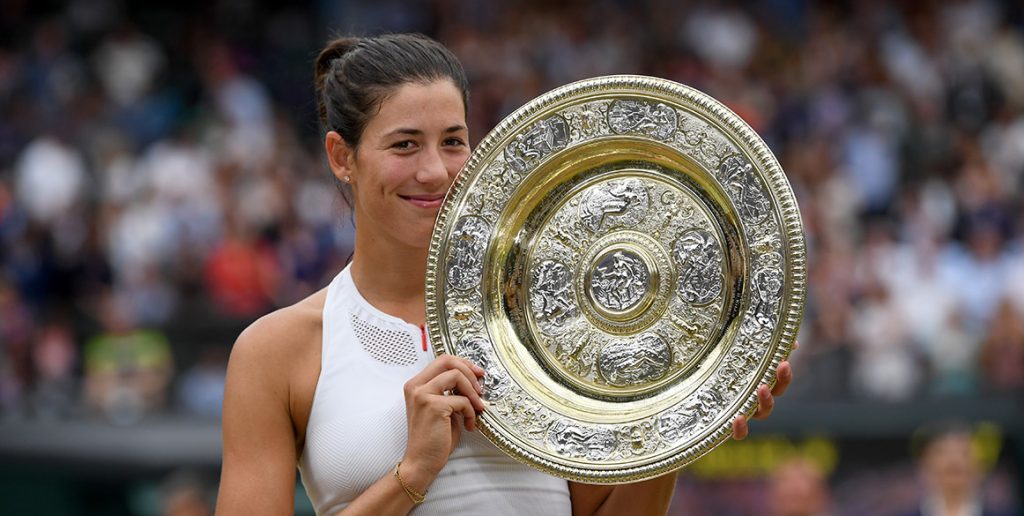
x=161, y=169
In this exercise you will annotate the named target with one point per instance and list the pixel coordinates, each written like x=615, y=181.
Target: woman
x=343, y=383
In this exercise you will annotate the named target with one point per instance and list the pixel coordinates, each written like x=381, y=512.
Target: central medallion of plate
x=619, y=281
x=625, y=283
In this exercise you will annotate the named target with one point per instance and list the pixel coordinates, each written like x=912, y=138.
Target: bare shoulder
x=282, y=336
x=279, y=354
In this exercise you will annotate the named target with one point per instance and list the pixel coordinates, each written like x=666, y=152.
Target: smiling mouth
x=425, y=201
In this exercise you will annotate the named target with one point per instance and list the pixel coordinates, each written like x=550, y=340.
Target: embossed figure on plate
x=636, y=361
x=743, y=359
x=495, y=381
x=544, y=138
x=590, y=120
x=552, y=298
x=709, y=404
x=638, y=439
x=683, y=421
x=634, y=116
x=767, y=285
x=465, y=260
x=675, y=424
x=738, y=176
x=619, y=202
x=699, y=260
x=578, y=441
x=620, y=281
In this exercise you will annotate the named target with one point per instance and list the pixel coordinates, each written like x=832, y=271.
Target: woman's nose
x=432, y=167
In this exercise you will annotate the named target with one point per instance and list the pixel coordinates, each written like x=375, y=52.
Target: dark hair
x=354, y=75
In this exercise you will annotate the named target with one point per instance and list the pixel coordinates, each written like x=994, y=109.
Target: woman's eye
x=454, y=142
x=402, y=145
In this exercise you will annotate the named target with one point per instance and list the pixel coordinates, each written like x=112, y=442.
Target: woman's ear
x=341, y=155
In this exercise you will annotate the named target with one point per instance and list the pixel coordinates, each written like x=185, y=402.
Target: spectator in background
x=798, y=487
x=185, y=494
x=243, y=106
x=50, y=178
x=953, y=358
x=201, y=387
x=976, y=271
x=242, y=272
x=54, y=355
x=127, y=64
x=127, y=369
x=1002, y=352
x=951, y=479
x=885, y=365
x=15, y=338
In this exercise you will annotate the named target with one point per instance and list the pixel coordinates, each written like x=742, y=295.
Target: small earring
x=346, y=179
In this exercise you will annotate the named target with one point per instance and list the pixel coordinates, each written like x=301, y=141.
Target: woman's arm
x=653, y=496
x=261, y=443
x=258, y=471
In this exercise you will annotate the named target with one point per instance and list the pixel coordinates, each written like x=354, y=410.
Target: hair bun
x=334, y=49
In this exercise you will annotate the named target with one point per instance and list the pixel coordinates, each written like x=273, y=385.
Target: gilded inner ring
x=651, y=335
x=615, y=296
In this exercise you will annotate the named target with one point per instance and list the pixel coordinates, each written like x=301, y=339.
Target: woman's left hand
x=765, y=398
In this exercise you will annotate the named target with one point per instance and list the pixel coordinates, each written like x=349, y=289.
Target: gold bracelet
x=414, y=495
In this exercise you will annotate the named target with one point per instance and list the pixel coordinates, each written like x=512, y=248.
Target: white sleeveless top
x=357, y=426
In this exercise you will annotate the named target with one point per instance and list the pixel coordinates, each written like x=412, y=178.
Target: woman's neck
x=391, y=277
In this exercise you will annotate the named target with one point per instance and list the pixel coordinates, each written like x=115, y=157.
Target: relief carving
x=465, y=257
x=699, y=259
x=635, y=361
x=616, y=203
x=540, y=141
x=634, y=116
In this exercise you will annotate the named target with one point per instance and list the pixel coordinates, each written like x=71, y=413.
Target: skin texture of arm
x=260, y=452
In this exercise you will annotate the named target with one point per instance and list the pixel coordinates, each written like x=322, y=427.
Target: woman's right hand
x=438, y=400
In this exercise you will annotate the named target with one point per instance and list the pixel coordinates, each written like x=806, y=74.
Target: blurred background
x=162, y=184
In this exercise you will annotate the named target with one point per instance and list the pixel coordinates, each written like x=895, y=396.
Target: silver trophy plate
x=625, y=258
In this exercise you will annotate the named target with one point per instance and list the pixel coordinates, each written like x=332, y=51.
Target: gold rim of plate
x=625, y=258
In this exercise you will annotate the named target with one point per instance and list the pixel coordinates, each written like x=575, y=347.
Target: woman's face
x=408, y=156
